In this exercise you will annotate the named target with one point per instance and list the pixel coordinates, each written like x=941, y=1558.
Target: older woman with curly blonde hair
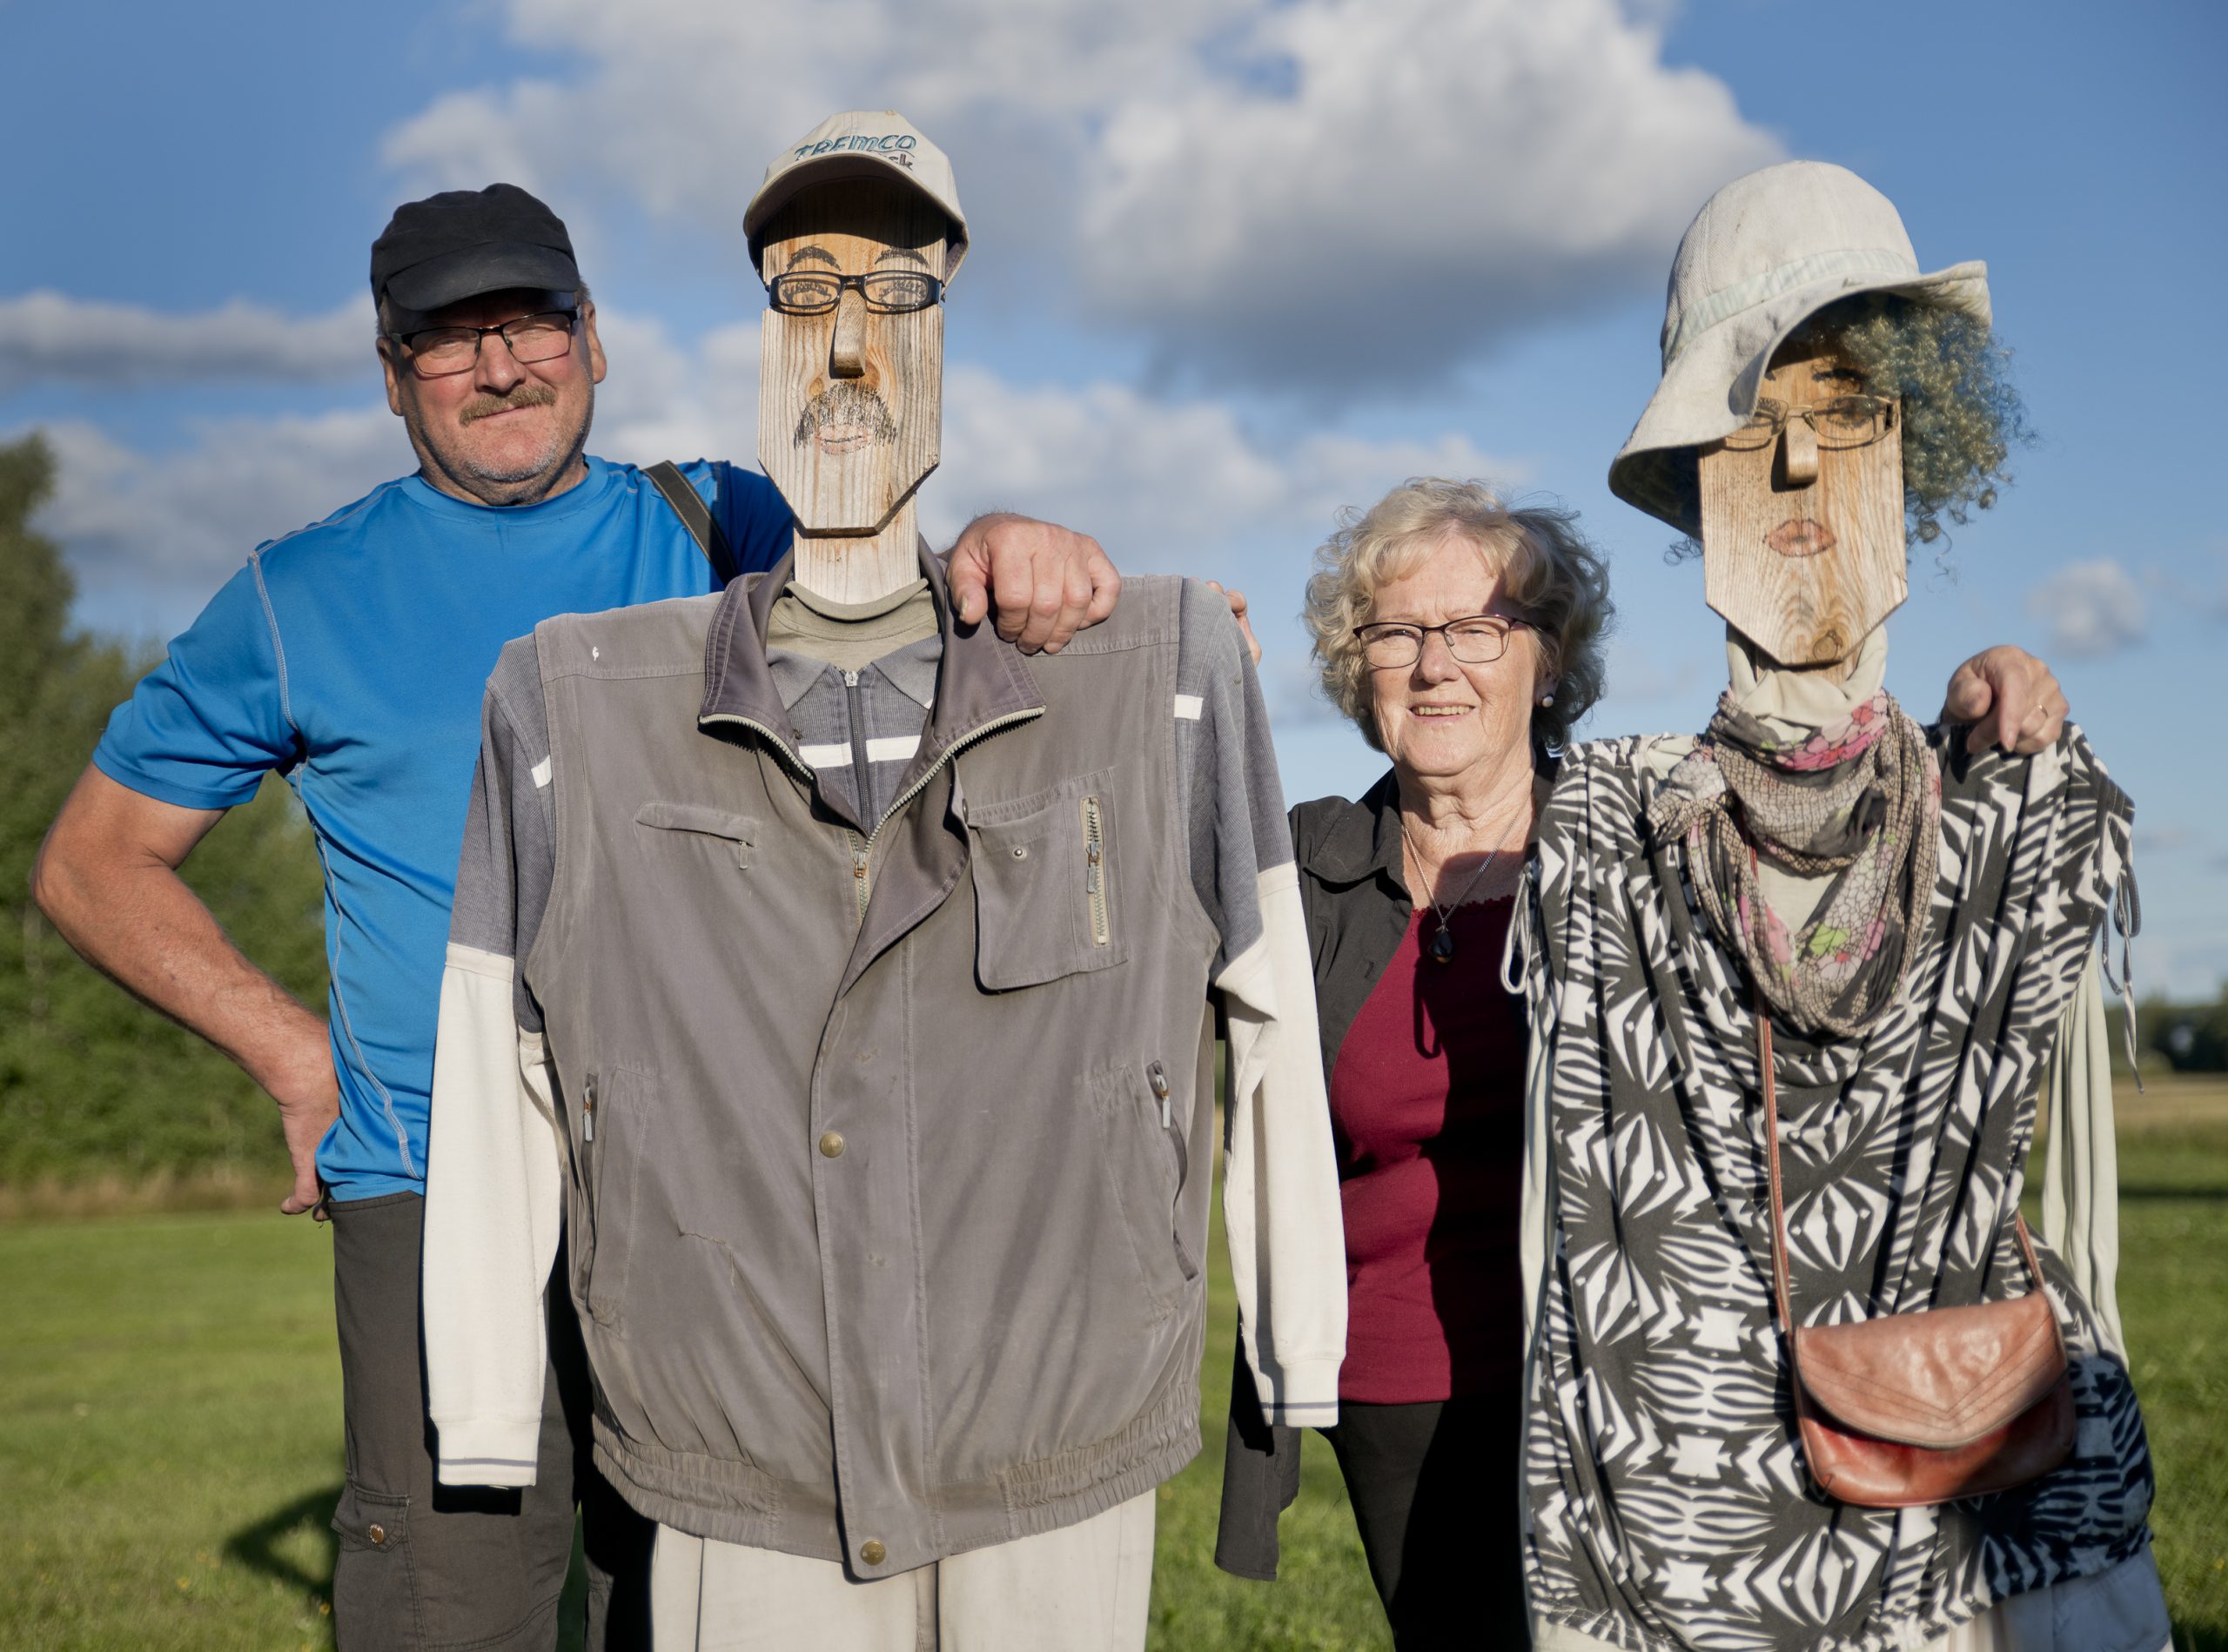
x=1464, y=638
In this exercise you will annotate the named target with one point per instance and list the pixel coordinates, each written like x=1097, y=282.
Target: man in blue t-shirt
x=350, y=657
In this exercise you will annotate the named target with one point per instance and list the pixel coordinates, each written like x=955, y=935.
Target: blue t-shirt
x=351, y=657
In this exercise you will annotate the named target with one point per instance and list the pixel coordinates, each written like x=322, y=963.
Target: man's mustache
x=845, y=402
x=528, y=393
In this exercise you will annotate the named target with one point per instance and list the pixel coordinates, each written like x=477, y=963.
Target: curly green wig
x=1961, y=414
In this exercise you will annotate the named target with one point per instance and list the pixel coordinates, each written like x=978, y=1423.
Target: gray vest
x=888, y=1156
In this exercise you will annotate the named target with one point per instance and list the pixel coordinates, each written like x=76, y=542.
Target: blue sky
x=1234, y=265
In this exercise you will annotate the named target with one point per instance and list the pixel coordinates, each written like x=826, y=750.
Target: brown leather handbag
x=1916, y=1408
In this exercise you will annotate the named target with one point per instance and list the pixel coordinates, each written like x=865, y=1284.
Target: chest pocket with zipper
x=733, y=836
x=1048, y=884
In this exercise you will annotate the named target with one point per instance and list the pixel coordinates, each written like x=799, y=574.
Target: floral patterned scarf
x=1860, y=799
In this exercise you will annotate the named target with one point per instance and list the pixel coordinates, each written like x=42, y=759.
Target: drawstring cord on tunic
x=1516, y=946
x=2126, y=914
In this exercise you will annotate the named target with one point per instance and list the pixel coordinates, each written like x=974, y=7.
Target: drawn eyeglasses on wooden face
x=1478, y=639
x=886, y=291
x=1846, y=421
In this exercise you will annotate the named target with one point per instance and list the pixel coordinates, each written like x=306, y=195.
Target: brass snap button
x=831, y=1145
x=871, y=1553
x=378, y=1536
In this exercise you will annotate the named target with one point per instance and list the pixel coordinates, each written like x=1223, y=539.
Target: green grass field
x=2173, y=1148
x=169, y=1430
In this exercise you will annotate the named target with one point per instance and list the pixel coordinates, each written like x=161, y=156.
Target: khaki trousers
x=1082, y=1588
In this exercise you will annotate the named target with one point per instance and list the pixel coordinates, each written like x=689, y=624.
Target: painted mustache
x=844, y=417
x=526, y=394
x=1802, y=537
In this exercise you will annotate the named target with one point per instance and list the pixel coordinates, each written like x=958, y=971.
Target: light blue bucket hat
x=1765, y=254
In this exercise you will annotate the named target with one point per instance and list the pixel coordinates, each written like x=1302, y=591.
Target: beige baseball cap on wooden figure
x=1766, y=252
x=860, y=143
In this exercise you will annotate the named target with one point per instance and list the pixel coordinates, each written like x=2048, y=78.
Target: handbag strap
x=1769, y=1081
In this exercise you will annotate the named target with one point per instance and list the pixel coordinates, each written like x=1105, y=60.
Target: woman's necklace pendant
x=1442, y=945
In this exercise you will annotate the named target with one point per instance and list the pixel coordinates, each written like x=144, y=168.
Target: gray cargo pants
x=425, y=1568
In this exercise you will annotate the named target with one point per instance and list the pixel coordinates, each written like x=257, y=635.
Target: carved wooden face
x=1802, y=511
x=850, y=401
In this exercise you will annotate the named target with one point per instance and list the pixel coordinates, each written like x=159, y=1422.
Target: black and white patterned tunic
x=1667, y=1502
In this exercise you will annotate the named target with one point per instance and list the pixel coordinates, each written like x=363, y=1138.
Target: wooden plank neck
x=849, y=567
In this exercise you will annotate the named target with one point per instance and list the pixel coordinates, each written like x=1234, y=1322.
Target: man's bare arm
x=107, y=877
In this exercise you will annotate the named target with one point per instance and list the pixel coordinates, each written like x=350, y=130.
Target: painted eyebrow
x=903, y=252
x=819, y=255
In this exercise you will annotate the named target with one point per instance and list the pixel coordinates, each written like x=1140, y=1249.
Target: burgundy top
x=1427, y=1103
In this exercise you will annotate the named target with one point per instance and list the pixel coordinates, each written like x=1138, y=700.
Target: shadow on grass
x=258, y=1547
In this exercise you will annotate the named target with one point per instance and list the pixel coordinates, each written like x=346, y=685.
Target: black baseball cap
x=461, y=242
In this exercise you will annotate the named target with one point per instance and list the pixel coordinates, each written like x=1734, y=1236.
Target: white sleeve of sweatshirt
x=1280, y=1174
x=496, y=1153
x=494, y=1207
x=1280, y=1170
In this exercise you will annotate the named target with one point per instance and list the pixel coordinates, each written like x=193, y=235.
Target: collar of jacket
x=981, y=684
x=1361, y=841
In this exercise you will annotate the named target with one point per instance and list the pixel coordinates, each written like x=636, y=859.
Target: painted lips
x=1802, y=537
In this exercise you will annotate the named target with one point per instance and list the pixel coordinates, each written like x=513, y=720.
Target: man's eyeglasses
x=1846, y=421
x=438, y=353
x=1479, y=639
x=886, y=291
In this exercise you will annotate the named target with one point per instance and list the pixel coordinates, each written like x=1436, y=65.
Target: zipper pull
x=587, y=1110
x=859, y=862
x=850, y=679
x=1157, y=1076
x=1091, y=874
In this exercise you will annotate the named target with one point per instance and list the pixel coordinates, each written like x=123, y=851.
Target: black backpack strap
x=689, y=507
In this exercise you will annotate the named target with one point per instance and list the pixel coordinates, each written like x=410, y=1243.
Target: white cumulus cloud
x=1177, y=485
x=2092, y=609
x=1416, y=181
x=151, y=535
x=1329, y=195
x=53, y=337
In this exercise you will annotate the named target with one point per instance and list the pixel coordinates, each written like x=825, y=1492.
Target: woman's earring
x=1546, y=699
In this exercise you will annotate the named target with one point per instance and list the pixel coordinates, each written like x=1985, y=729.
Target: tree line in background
x=95, y=1085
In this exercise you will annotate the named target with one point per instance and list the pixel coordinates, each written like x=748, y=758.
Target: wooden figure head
x=850, y=392
x=1803, y=509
